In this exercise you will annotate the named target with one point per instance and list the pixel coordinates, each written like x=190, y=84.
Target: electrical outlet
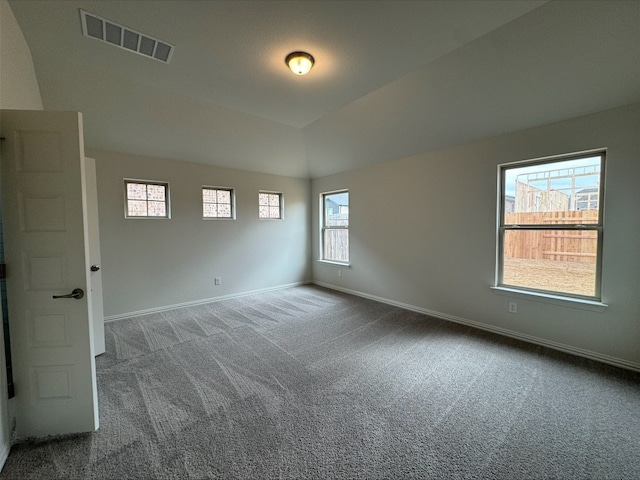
x=513, y=307
x=218, y=281
x=340, y=273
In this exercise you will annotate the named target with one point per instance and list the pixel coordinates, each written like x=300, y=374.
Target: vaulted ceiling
x=391, y=79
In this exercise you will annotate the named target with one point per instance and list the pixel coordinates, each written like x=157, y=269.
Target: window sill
x=580, y=303
x=337, y=264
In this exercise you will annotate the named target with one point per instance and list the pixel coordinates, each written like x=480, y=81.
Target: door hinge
x=3, y=271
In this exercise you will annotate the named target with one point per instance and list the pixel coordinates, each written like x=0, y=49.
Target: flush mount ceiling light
x=299, y=62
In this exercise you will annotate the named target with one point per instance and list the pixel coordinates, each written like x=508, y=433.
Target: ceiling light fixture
x=299, y=62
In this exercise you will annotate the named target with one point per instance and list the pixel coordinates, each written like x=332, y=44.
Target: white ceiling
x=391, y=79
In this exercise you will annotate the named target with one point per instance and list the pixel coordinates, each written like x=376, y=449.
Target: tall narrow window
x=218, y=202
x=335, y=226
x=551, y=225
x=270, y=205
x=146, y=199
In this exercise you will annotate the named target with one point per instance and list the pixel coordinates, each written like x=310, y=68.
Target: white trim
x=334, y=263
x=618, y=362
x=581, y=303
x=560, y=157
x=122, y=316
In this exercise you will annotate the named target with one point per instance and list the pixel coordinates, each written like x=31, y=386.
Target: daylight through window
x=269, y=205
x=217, y=202
x=335, y=226
x=551, y=223
x=146, y=199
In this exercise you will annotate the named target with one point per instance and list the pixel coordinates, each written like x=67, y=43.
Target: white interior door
x=95, y=277
x=44, y=213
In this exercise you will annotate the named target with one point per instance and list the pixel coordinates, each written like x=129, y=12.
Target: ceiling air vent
x=123, y=37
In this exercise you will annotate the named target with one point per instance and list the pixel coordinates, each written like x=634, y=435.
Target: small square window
x=270, y=205
x=218, y=202
x=146, y=199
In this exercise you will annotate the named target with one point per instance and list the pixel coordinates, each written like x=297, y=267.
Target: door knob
x=77, y=293
x=95, y=268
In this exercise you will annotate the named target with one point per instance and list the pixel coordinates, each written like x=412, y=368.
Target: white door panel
x=44, y=213
x=95, y=277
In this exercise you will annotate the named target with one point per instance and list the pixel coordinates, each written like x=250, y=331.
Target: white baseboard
x=166, y=308
x=618, y=362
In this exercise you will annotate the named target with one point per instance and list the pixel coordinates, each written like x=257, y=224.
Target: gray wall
x=156, y=263
x=423, y=233
x=18, y=84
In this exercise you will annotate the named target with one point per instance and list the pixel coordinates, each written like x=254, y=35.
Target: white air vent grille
x=110, y=32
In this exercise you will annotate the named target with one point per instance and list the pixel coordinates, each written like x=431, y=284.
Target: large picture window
x=335, y=226
x=551, y=225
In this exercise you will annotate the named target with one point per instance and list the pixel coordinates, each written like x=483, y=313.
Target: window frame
x=324, y=228
x=167, y=199
x=598, y=227
x=232, y=193
x=281, y=205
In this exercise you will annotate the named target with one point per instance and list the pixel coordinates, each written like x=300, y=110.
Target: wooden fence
x=336, y=245
x=563, y=245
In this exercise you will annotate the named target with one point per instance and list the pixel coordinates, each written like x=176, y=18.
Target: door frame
x=5, y=421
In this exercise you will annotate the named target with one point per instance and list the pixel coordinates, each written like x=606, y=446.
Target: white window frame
x=324, y=228
x=281, y=205
x=597, y=227
x=167, y=201
x=232, y=193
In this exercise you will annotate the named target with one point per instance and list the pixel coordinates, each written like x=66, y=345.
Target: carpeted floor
x=311, y=383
